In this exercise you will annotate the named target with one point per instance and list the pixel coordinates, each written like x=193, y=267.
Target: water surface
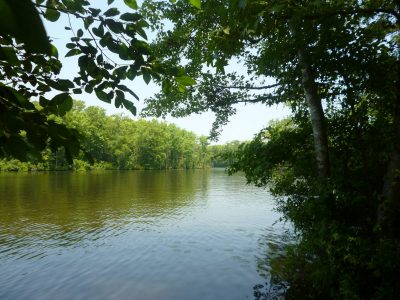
x=133, y=235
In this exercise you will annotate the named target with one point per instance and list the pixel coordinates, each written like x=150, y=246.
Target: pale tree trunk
x=316, y=115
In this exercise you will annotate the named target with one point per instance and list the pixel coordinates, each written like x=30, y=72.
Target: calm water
x=133, y=235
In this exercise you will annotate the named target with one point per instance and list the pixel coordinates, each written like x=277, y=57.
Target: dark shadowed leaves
x=21, y=20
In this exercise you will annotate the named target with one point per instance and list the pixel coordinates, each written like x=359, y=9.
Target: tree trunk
x=316, y=114
x=389, y=209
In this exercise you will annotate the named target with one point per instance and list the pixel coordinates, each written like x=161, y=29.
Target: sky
x=248, y=121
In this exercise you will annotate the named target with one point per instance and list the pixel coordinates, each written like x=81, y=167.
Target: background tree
x=139, y=144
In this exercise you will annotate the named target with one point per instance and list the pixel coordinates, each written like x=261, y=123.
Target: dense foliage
x=342, y=251
x=223, y=155
x=137, y=145
x=109, y=46
x=335, y=165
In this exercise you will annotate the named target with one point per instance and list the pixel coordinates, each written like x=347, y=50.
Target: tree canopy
x=139, y=144
x=334, y=166
x=110, y=47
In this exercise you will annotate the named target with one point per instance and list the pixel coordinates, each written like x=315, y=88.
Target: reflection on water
x=66, y=209
x=272, y=246
x=131, y=235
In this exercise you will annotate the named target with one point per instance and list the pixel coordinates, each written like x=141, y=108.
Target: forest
x=139, y=145
x=333, y=166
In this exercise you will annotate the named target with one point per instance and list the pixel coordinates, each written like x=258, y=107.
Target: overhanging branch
x=248, y=87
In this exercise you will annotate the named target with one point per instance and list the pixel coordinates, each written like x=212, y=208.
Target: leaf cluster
x=352, y=54
x=108, y=46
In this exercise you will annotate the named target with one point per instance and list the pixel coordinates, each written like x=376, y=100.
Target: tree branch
x=248, y=87
x=245, y=101
x=60, y=9
x=355, y=12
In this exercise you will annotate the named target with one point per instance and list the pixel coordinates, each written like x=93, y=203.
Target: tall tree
x=291, y=42
x=335, y=63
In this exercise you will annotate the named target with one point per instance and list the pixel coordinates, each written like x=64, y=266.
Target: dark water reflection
x=131, y=235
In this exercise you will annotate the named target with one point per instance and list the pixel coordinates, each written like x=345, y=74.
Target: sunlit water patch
x=133, y=235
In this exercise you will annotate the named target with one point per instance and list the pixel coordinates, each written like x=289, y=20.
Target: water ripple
x=134, y=235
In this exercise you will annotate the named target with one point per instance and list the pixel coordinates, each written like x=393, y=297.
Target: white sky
x=248, y=121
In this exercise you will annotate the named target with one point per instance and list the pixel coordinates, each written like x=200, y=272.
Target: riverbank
x=14, y=165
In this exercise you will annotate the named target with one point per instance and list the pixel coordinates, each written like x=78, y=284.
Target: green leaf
x=100, y=59
x=120, y=72
x=119, y=98
x=142, y=33
x=63, y=102
x=99, y=31
x=83, y=61
x=8, y=54
x=110, y=96
x=143, y=23
x=123, y=51
x=60, y=85
x=70, y=45
x=116, y=27
x=226, y=30
x=126, y=89
x=79, y=33
x=95, y=12
x=166, y=86
x=43, y=101
x=102, y=95
x=15, y=96
x=178, y=71
x=110, y=2
x=65, y=83
x=130, y=17
x=131, y=73
x=196, y=3
x=54, y=51
x=73, y=52
x=87, y=22
x=185, y=80
x=181, y=88
x=21, y=20
x=130, y=106
x=52, y=14
x=131, y=3
x=146, y=76
x=88, y=89
x=112, y=12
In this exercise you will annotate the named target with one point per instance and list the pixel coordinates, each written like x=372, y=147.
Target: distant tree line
x=222, y=156
x=118, y=142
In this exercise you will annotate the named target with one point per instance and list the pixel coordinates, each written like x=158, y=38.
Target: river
x=134, y=235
